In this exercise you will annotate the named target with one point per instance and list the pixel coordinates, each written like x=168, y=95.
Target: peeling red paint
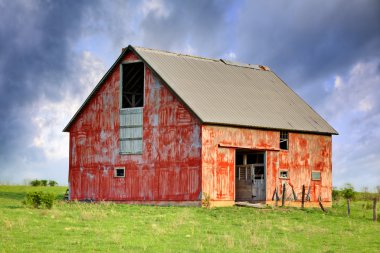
x=169, y=168
x=307, y=153
x=181, y=158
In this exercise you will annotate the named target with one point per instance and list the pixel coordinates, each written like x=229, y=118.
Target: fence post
x=374, y=210
x=283, y=195
x=320, y=204
x=276, y=197
x=303, y=196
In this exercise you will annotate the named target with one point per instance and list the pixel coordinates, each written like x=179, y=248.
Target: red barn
x=167, y=128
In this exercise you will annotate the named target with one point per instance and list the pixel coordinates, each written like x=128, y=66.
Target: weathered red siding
x=169, y=168
x=307, y=152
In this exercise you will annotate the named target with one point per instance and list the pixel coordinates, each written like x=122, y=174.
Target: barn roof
x=228, y=93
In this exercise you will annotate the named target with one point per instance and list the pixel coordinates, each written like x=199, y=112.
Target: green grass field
x=107, y=227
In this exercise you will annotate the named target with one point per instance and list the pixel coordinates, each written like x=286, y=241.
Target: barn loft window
x=132, y=85
x=315, y=175
x=284, y=140
x=131, y=111
x=119, y=172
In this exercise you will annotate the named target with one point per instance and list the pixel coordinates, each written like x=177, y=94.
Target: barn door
x=258, y=182
x=249, y=176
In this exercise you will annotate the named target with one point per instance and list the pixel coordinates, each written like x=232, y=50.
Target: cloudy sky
x=52, y=53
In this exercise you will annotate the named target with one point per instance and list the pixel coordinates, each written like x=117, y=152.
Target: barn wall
x=169, y=168
x=306, y=152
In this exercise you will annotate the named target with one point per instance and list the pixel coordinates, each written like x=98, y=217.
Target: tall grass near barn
x=108, y=227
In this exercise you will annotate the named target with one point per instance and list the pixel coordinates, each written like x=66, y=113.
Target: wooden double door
x=250, y=177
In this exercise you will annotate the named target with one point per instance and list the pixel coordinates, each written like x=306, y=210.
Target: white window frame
x=119, y=168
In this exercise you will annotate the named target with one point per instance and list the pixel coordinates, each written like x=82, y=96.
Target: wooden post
x=348, y=207
x=283, y=195
x=276, y=197
x=320, y=204
x=303, y=197
x=374, y=210
x=294, y=193
x=274, y=193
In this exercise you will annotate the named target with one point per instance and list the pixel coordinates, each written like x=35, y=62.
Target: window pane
x=316, y=175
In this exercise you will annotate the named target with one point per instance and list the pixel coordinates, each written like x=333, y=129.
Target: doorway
x=249, y=175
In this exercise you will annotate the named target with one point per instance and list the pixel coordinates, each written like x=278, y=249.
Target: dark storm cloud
x=306, y=43
x=35, y=42
x=307, y=40
x=204, y=25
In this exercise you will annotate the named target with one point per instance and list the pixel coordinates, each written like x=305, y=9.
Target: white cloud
x=155, y=7
x=365, y=104
x=230, y=56
x=353, y=108
x=338, y=82
x=50, y=117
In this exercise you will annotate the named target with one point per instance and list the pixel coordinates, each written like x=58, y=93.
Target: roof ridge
x=225, y=61
x=176, y=54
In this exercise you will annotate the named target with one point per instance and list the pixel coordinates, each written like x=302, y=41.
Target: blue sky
x=54, y=52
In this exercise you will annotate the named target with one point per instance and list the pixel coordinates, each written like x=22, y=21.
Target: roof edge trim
x=270, y=128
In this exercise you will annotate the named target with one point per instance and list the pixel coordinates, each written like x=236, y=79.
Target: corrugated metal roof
x=229, y=93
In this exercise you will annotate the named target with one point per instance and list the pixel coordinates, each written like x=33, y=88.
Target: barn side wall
x=306, y=153
x=169, y=168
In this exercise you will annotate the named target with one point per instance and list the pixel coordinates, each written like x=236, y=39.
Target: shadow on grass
x=12, y=195
x=14, y=207
x=21, y=195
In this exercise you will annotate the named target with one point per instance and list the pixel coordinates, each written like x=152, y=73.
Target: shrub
x=35, y=182
x=44, y=182
x=348, y=191
x=52, y=183
x=39, y=199
x=206, y=200
x=335, y=194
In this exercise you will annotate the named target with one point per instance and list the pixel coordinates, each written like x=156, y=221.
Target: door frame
x=251, y=151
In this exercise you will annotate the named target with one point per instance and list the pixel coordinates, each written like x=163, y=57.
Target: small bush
x=335, y=194
x=39, y=199
x=206, y=200
x=43, y=182
x=348, y=191
x=35, y=182
x=52, y=183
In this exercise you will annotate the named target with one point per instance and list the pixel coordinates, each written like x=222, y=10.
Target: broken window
x=131, y=111
x=119, y=172
x=284, y=140
x=284, y=174
x=315, y=175
x=132, y=85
